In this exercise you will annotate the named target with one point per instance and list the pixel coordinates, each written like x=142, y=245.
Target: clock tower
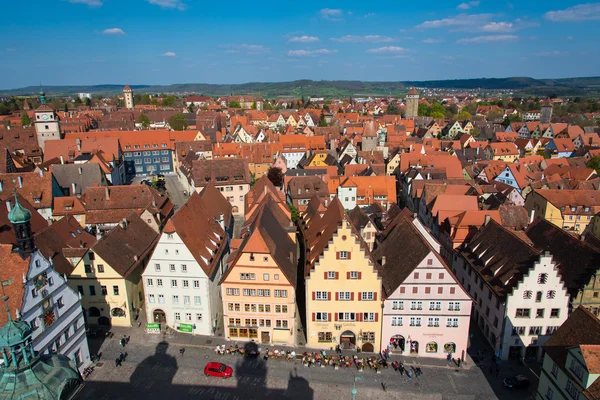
x=47, y=125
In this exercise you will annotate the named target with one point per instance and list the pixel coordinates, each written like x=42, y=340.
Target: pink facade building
x=426, y=312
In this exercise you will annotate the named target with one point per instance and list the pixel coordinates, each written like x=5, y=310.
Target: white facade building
x=181, y=282
x=520, y=299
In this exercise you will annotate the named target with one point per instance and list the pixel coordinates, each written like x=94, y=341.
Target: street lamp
x=353, y=391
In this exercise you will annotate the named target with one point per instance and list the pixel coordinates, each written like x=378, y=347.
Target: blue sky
x=69, y=42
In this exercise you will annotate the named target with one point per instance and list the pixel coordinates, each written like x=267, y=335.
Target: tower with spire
x=128, y=94
x=25, y=374
x=47, y=125
x=412, y=104
x=20, y=218
x=546, y=112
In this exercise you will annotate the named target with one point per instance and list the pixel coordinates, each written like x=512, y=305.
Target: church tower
x=412, y=104
x=20, y=218
x=47, y=126
x=128, y=93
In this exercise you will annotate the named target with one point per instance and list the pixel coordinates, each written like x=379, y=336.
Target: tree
x=275, y=175
x=234, y=104
x=423, y=110
x=66, y=107
x=169, y=101
x=144, y=120
x=494, y=115
x=191, y=107
x=253, y=106
x=393, y=109
x=437, y=115
x=177, y=122
x=294, y=212
x=322, y=121
x=475, y=132
x=594, y=163
x=25, y=120
x=88, y=102
x=78, y=101
x=4, y=109
x=464, y=115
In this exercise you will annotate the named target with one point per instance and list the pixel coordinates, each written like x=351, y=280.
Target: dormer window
x=573, y=209
x=146, y=146
x=136, y=146
x=36, y=199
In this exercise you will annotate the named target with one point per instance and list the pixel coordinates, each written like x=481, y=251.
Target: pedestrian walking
x=181, y=351
x=122, y=342
x=117, y=362
x=121, y=357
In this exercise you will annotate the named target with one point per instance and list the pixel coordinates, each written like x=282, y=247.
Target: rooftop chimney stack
x=107, y=193
x=8, y=205
x=20, y=179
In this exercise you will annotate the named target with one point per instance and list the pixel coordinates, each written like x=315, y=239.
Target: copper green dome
x=14, y=332
x=19, y=214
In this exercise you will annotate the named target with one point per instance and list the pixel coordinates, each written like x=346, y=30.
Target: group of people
x=119, y=360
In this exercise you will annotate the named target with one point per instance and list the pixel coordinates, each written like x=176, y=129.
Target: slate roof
x=82, y=175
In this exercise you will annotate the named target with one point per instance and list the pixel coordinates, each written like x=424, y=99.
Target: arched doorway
x=93, y=312
x=368, y=348
x=414, y=347
x=159, y=316
x=397, y=343
x=348, y=340
x=104, y=321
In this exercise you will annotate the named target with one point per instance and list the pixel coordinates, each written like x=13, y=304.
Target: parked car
x=218, y=370
x=517, y=382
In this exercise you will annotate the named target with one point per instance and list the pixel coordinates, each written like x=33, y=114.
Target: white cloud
x=113, y=31
x=305, y=53
x=487, y=39
x=466, y=6
x=331, y=14
x=386, y=49
x=580, y=12
x=368, y=15
x=168, y=4
x=461, y=21
x=304, y=39
x=569, y=37
x=553, y=53
x=497, y=27
x=432, y=40
x=91, y=3
x=249, y=49
x=169, y=54
x=363, y=39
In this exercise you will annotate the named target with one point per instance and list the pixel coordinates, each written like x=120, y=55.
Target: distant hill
x=571, y=86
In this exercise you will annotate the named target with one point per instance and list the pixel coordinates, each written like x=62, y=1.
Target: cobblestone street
x=154, y=369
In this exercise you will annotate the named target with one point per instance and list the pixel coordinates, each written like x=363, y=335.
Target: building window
x=346, y=316
x=247, y=277
x=115, y=290
x=523, y=313
x=527, y=294
x=88, y=268
x=100, y=268
x=354, y=275
x=183, y=268
x=177, y=316
x=172, y=267
x=452, y=323
x=173, y=283
x=280, y=293
x=435, y=305
x=572, y=390
x=325, y=337
x=539, y=313
x=550, y=294
x=396, y=321
x=518, y=330
x=161, y=299
x=92, y=290
x=80, y=289
x=416, y=305
x=433, y=322
x=60, y=303
x=397, y=305
x=157, y=267
x=104, y=290
x=415, y=321
x=343, y=255
x=151, y=298
x=197, y=300
x=149, y=282
x=554, y=313
x=265, y=277
x=197, y=285
x=344, y=296
x=321, y=317
x=159, y=282
x=330, y=275
x=319, y=295
x=554, y=370
x=542, y=278
x=454, y=306
x=186, y=283
x=367, y=296
x=276, y=277
x=175, y=299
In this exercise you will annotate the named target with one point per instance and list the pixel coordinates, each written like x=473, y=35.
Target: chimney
x=135, y=258
x=107, y=193
x=123, y=223
x=80, y=170
x=8, y=205
x=383, y=260
x=20, y=179
x=41, y=173
x=265, y=189
x=78, y=142
x=73, y=188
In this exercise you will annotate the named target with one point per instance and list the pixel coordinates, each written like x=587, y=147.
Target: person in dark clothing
x=181, y=351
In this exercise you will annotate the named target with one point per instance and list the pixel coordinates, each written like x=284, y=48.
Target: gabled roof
x=14, y=268
x=82, y=175
x=35, y=187
x=200, y=231
x=124, y=248
x=576, y=260
x=500, y=257
x=263, y=187
x=216, y=204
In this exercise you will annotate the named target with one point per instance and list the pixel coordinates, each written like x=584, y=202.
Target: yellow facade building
x=343, y=288
x=108, y=277
x=571, y=210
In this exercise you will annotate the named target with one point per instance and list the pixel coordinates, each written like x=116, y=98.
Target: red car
x=219, y=370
